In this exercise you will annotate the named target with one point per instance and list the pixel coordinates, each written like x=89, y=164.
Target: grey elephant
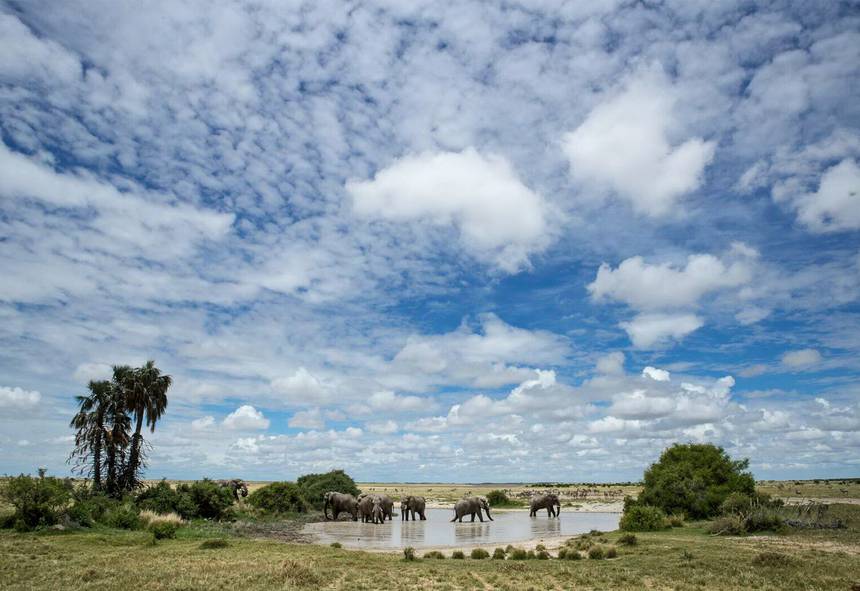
x=471, y=506
x=387, y=506
x=412, y=504
x=548, y=501
x=340, y=503
x=237, y=487
x=370, y=509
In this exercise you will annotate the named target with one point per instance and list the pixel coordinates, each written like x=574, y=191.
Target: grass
x=685, y=558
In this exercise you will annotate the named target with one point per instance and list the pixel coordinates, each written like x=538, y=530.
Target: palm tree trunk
x=134, y=457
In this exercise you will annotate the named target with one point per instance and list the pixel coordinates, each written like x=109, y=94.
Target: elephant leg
x=481, y=517
x=422, y=516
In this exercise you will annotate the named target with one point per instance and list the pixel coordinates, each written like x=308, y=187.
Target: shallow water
x=508, y=527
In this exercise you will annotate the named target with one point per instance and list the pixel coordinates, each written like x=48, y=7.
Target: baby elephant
x=413, y=505
x=471, y=506
x=548, y=501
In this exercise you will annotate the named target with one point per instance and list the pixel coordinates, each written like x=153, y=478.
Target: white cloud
x=653, y=330
x=307, y=419
x=18, y=397
x=86, y=372
x=835, y=206
x=659, y=375
x=658, y=286
x=203, y=423
x=390, y=402
x=499, y=218
x=246, y=418
x=640, y=405
x=626, y=144
x=802, y=358
x=611, y=363
x=301, y=388
x=383, y=427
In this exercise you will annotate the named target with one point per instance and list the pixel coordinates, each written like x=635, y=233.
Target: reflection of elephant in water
x=370, y=509
x=340, y=503
x=471, y=506
x=548, y=501
x=414, y=505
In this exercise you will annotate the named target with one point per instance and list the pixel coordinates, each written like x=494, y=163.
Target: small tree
x=694, y=479
x=497, y=498
x=279, y=497
x=315, y=486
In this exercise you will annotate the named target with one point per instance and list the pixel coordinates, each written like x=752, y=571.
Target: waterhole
x=508, y=527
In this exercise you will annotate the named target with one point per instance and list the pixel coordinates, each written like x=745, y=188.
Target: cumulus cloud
x=835, y=206
x=657, y=286
x=655, y=329
x=801, y=359
x=498, y=217
x=307, y=419
x=627, y=144
x=18, y=397
x=388, y=401
x=659, y=375
x=246, y=418
x=302, y=387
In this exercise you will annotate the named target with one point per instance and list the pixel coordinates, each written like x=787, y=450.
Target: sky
x=435, y=241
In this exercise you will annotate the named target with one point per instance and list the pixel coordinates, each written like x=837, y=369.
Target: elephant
x=237, y=486
x=548, y=501
x=471, y=506
x=413, y=505
x=340, y=503
x=387, y=506
x=370, y=509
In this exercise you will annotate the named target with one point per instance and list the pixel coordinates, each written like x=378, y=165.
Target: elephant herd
x=371, y=508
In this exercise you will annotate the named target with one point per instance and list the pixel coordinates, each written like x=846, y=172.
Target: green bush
x=694, y=479
x=763, y=519
x=572, y=555
x=161, y=498
x=642, y=518
x=498, y=554
x=628, y=540
x=336, y=545
x=279, y=497
x=562, y=552
x=498, y=498
x=530, y=555
x=435, y=554
x=315, y=486
x=37, y=501
x=163, y=530
x=540, y=548
x=480, y=554
x=409, y=553
x=518, y=554
x=596, y=553
x=90, y=508
x=123, y=516
x=458, y=555
x=542, y=555
x=204, y=498
x=213, y=544
x=509, y=548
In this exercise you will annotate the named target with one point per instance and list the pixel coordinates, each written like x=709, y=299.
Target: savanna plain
x=251, y=551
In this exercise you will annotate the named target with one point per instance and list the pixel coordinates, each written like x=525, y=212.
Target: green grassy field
x=681, y=558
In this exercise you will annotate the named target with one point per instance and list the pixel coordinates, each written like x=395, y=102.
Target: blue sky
x=436, y=241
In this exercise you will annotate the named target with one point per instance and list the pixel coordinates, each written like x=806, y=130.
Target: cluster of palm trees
x=106, y=448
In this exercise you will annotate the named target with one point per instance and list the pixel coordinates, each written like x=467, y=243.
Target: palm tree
x=89, y=422
x=116, y=435
x=146, y=397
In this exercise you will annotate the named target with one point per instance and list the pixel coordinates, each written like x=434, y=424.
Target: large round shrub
x=498, y=498
x=205, y=499
x=37, y=501
x=642, y=518
x=279, y=497
x=315, y=486
x=160, y=498
x=694, y=479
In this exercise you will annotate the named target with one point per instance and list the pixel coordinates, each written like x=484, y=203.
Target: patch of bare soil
x=286, y=530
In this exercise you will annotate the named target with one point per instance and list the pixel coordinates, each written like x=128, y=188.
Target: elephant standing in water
x=414, y=505
x=548, y=501
x=471, y=506
x=370, y=509
x=340, y=503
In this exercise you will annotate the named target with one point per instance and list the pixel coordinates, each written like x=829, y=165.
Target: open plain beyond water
x=208, y=555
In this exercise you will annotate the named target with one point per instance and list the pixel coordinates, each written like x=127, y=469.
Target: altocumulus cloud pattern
x=435, y=240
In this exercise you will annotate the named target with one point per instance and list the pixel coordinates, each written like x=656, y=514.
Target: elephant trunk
x=325, y=508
